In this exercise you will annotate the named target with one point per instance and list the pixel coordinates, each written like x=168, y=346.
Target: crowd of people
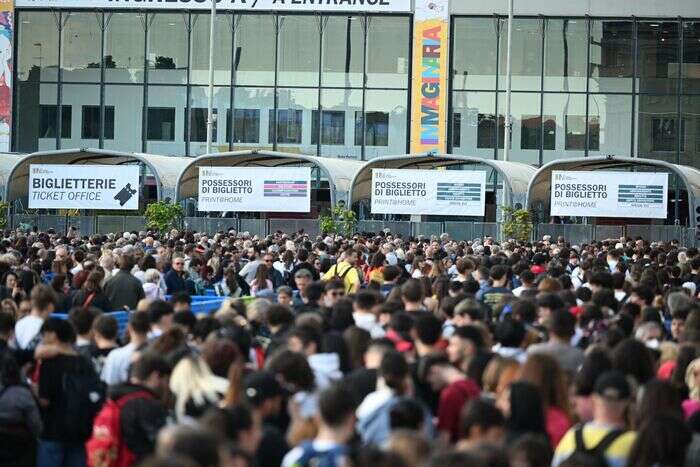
x=370, y=350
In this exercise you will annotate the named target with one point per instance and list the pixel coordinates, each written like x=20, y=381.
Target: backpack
x=595, y=455
x=310, y=457
x=82, y=397
x=106, y=448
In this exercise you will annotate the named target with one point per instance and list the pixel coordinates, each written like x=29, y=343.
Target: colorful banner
x=6, y=39
x=426, y=192
x=641, y=195
x=64, y=186
x=429, y=88
x=367, y=6
x=254, y=189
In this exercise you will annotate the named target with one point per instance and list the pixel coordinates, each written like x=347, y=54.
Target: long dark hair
x=662, y=440
x=526, y=411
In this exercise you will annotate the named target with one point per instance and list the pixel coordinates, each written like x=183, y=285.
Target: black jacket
x=100, y=300
x=124, y=290
x=141, y=419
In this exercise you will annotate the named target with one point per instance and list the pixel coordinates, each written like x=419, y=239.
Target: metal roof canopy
x=516, y=175
x=541, y=184
x=339, y=171
x=8, y=160
x=165, y=169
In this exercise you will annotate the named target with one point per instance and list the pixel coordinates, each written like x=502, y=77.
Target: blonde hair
x=192, y=379
x=151, y=275
x=693, y=389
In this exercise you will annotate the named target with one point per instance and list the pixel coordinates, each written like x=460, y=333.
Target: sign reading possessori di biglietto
x=609, y=194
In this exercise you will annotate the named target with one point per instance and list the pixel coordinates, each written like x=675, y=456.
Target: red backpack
x=106, y=448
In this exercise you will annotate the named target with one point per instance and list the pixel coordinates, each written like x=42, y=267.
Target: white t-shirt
x=26, y=329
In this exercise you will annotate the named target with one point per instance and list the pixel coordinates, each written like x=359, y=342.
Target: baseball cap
x=260, y=386
x=613, y=386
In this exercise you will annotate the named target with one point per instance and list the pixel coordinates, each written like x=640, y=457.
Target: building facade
x=346, y=78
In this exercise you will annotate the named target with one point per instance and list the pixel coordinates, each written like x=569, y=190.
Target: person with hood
x=306, y=339
x=393, y=385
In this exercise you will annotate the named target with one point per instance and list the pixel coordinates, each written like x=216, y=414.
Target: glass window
x=81, y=41
x=345, y=102
x=657, y=62
x=474, y=70
x=48, y=121
x=388, y=45
x=526, y=55
x=288, y=126
x=477, y=123
x=525, y=111
x=664, y=134
x=656, y=127
x=332, y=127
x=609, y=124
x=37, y=48
x=254, y=58
x=611, y=61
x=575, y=133
x=29, y=132
x=486, y=131
x=253, y=99
x=343, y=51
x=568, y=110
x=167, y=48
x=376, y=129
x=246, y=125
x=199, y=59
x=161, y=123
x=294, y=127
x=199, y=100
x=91, y=122
x=393, y=103
x=127, y=102
x=298, y=50
x=198, y=125
x=79, y=96
x=565, y=54
x=690, y=108
x=456, y=130
x=691, y=57
x=125, y=34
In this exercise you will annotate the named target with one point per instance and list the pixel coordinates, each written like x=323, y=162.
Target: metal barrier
x=427, y=229
x=309, y=226
x=574, y=233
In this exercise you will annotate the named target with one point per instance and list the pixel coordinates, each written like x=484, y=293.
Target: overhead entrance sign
x=255, y=189
x=609, y=194
x=368, y=6
x=64, y=186
x=425, y=192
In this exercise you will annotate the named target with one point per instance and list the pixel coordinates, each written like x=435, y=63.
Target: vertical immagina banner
x=6, y=37
x=429, y=80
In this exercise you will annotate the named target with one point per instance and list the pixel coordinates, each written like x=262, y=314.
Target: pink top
x=254, y=287
x=690, y=406
x=557, y=424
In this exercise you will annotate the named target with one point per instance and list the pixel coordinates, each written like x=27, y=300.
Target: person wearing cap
x=264, y=393
x=611, y=397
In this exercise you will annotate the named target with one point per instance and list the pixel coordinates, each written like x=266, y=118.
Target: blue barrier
x=210, y=292
x=122, y=318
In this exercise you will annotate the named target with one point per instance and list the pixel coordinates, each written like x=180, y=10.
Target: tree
x=517, y=224
x=163, y=216
x=340, y=220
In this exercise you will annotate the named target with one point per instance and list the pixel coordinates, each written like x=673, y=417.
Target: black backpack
x=83, y=394
x=594, y=456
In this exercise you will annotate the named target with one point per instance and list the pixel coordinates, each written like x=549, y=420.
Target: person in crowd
x=407, y=350
x=122, y=289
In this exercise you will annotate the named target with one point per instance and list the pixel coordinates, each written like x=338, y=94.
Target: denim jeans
x=57, y=454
